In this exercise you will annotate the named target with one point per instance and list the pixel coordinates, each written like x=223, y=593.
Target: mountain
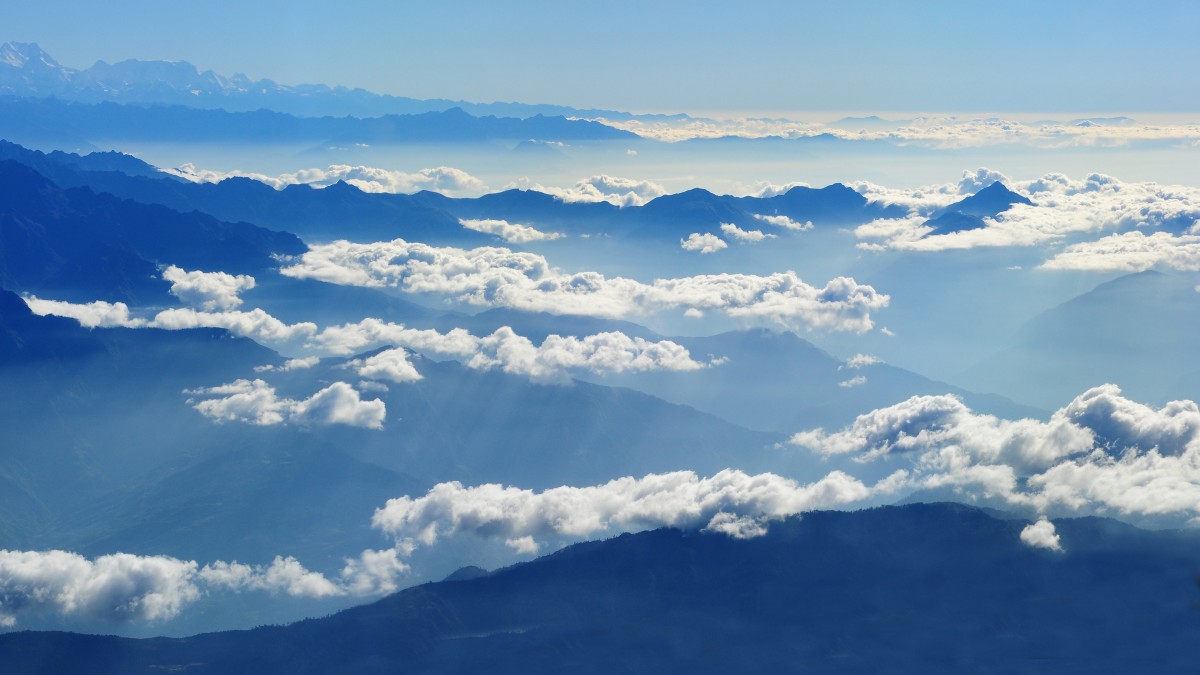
x=922, y=588
x=780, y=382
x=1138, y=331
x=968, y=213
x=75, y=243
x=342, y=211
x=51, y=118
x=28, y=71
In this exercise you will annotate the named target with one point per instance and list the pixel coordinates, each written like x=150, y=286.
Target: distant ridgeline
x=28, y=71
x=342, y=211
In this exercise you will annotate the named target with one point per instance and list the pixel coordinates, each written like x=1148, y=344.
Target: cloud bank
x=612, y=189
x=731, y=502
x=210, y=291
x=1101, y=454
x=443, y=179
x=122, y=587
x=500, y=277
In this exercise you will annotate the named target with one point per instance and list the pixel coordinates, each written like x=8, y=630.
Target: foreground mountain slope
x=924, y=588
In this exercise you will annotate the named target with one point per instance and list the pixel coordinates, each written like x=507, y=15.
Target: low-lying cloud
x=256, y=402
x=1100, y=454
x=209, y=291
x=731, y=502
x=703, y=243
x=513, y=233
x=500, y=277
x=122, y=587
x=443, y=179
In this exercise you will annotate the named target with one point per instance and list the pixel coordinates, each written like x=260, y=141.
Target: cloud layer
x=122, y=587
x=443, y=179
x=1101, y=454
x=513, y=233
x=731, y=502
x=499, y=277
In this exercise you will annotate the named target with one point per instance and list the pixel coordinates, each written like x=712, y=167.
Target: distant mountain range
x=28, y=71
x=923, y=588
x=342, y=211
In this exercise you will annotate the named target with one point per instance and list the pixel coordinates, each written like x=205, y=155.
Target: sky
x=668, y=56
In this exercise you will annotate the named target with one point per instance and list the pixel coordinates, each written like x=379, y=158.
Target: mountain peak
x=27, y=55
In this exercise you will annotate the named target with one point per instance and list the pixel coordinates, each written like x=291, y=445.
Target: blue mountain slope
x=924, y=588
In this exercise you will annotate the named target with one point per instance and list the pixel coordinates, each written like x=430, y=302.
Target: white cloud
x=937, y=131
x=861, y=361
x=1061, y=207
x=123, y=587
x=513, y=233
x=256, y=402
x=731, y=502
x=117, y=587
x=704, y=243
x=443, y=179
x=750, y=236
x=98, y=314
x=290, y=365
x=1130, y=252
x=552, y=360
x=499, y=277
x=784, y=222
x=391, y=365
x=856, y=381
x=1101, y=454
x=254, y=324
x=209, y=291
x=612, y=189
x=1041, y=534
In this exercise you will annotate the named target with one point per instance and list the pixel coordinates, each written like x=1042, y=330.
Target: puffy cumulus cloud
x=897, y=232
x=750, y=236
x=499, y=277
x=974, y=181
x=391, y=365
x=513, y=233
x=1130, y=252
x=784, y=222
x=209, y=291
x=290, y=365
x=1041, y=534
x=730, y=502
x=612, y=189
x=117, y=587
x=122, y=587
x=704, y=243
x=98, y=314
x=925, y=423
x=856, y=381
x=765, y=190
x=612, y=352
x=283, y=575
x=552, y=360
x=443, y=179
x=1101, y=454
x=256, y=402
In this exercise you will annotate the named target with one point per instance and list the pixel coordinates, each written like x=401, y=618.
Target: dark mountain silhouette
x=923, y=588
x=78, y=244
x=968, y=213
x=345, y=212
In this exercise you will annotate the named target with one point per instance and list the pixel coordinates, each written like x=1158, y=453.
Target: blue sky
x=1086, y=57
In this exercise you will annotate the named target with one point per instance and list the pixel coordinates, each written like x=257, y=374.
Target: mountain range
x=923, y=588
